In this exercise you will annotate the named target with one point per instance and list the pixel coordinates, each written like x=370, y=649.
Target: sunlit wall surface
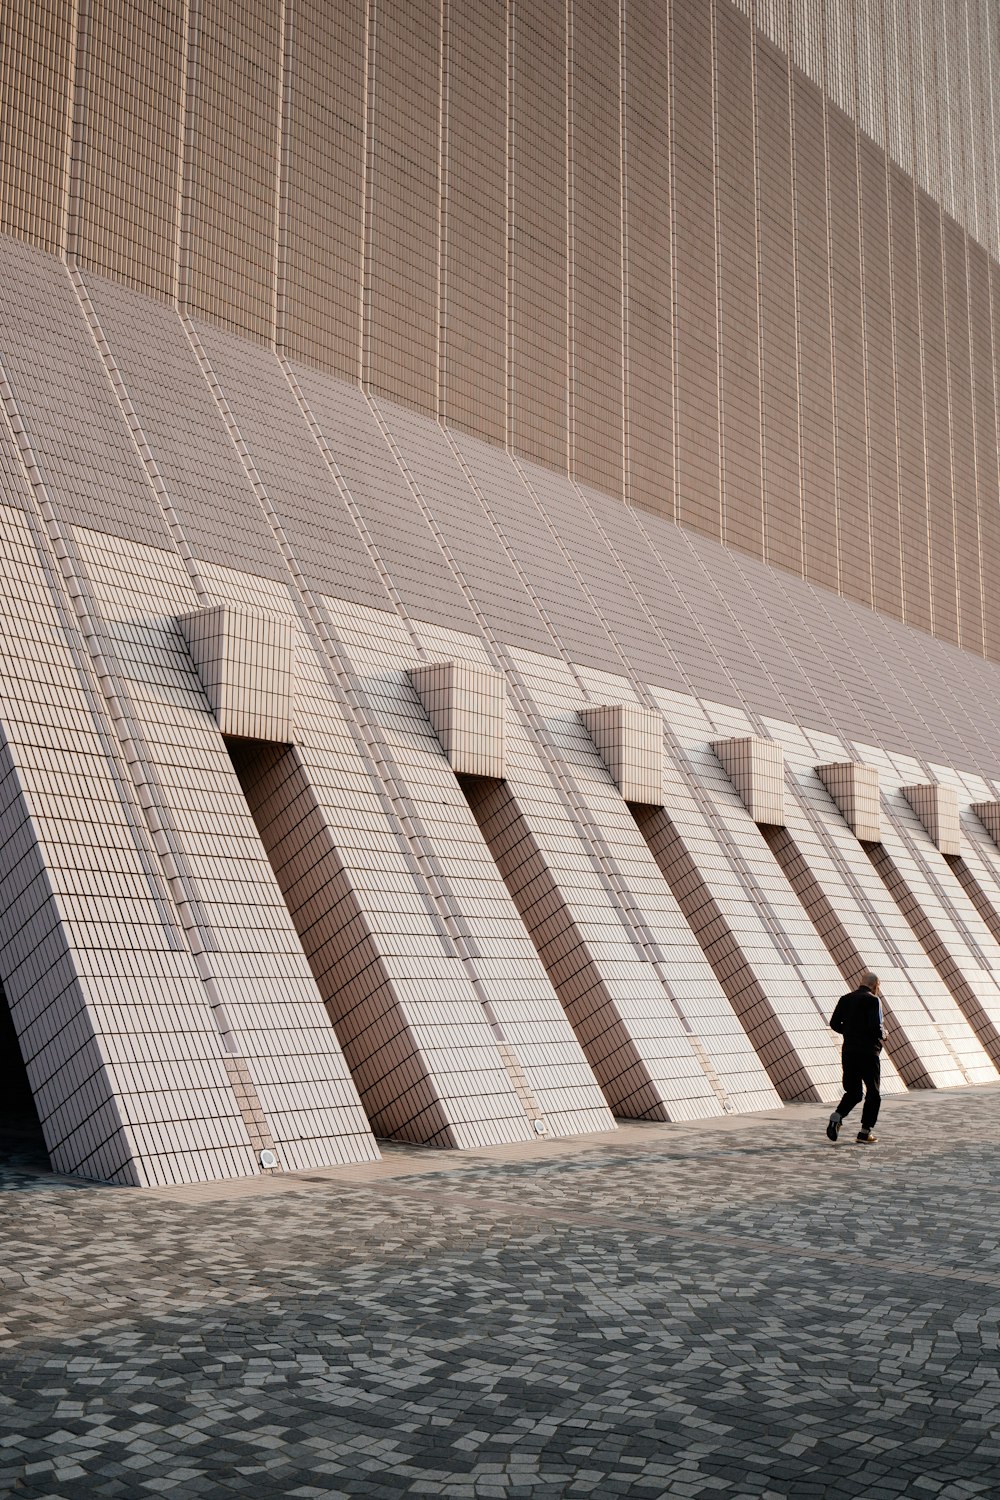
x=741, y=275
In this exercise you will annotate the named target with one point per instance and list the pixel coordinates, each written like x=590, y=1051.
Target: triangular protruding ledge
x=467, y=706
x=246, y=661
x=988, y=814
x=855, y=790
x=937, y=808
x=630, y=740
x=756, y=768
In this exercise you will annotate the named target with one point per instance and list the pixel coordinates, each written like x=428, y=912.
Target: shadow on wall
x=337, y=938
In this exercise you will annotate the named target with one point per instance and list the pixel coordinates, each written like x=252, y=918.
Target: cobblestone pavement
x=736, y=1310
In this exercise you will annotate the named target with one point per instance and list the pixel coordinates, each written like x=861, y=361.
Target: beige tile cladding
x=230, y=906
x=937, y=808
x=630, y=740
x=631, y=1035
x=455, y=1088
x=977, y=868
x=565, y=263
x=852, y=672
x=755, y=768
x=929, y=1038
x=625, y=1020
x=246, y=662
x=447, y=490
x=466, y=703
x=763, y=948
x=62, y=386
x=854, y=788
x=123, y=1052
x=537, y=1043
x=933, y=901
x=885, y=683
x=988, y=814
x=638, y=1052
x=421, y=1052
x=652, y=929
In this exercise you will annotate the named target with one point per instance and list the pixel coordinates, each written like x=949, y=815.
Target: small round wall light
x=268, y=1159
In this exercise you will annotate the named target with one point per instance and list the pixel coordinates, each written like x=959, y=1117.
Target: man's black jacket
x=857, y=1019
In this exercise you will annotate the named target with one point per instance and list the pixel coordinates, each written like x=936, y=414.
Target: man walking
x=858, y=1018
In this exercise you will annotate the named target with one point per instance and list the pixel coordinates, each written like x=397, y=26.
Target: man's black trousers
x=862, y=1075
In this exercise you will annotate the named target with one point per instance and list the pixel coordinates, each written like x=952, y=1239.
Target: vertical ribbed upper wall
x=229, y=232
x=922, y=79
x=36, y=57
x=321, y=244
x=124, y=198
x=632, y=241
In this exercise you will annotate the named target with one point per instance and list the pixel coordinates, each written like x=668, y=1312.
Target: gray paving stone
x=741, y=1311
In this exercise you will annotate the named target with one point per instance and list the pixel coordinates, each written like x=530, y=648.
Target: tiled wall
x=696, y=254
x=245, y=660
x=930, y=1040
x=921, y=77
x=499, y=955
x=126, y=189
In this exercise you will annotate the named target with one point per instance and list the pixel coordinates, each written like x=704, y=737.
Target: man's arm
x=839, y=1015
x=878, y=1021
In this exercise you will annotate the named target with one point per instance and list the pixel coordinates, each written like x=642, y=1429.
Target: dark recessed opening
x=21, y=1140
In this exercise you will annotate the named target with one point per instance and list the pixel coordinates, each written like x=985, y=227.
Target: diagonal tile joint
x=246, y=661
x=630, y=740
x=756, y=768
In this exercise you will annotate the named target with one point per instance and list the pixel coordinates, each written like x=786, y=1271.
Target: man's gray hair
x=868, y=980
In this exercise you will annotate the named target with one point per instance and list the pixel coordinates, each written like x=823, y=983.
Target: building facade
x=499, y=513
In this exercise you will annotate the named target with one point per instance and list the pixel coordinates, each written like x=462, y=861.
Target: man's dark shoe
x=833, y=1128
x=867, y=1137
